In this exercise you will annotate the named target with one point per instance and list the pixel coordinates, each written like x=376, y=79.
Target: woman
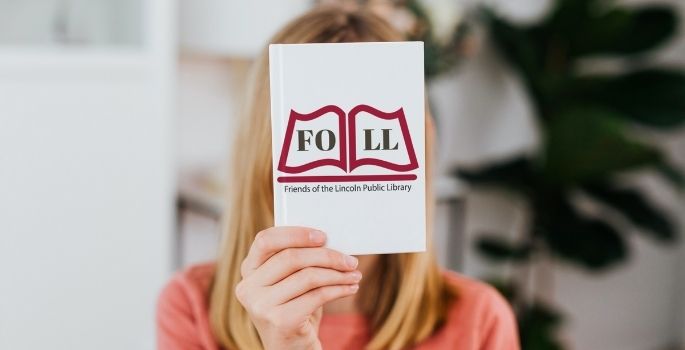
x=280, y=288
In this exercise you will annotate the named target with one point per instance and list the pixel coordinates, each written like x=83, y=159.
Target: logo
x=365, y=144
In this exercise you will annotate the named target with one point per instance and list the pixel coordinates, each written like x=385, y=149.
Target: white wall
x=209, y=97
x=234, y=28
x=86, y=192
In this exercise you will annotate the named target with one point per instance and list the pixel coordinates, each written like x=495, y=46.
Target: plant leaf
x=538, y=324
x=517, y=174
x=653, y=97
x=515, y=44
x=499, y=249
x=634, y=207
x=649, y=28
x=586, y=144
x=624, y=31
x=591, y=243
x=673, y=174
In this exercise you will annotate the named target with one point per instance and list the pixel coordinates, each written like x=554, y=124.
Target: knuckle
x=321, y=295
x=335, y=258
x=261, y=243
x=243, y=268
x=292, y=257
x=259, y=310
x=240, y=291
x=261, y=233
x=310, y=277
x=331, y=292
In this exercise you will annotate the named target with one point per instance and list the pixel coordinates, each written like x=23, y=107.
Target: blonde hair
x=405, y=298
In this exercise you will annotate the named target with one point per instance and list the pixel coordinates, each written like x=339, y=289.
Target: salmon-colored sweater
x=480, y=319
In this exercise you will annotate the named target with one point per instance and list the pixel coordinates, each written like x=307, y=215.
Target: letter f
x=303, y=139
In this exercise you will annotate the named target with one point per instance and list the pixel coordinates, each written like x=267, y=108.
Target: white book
x=348, y=143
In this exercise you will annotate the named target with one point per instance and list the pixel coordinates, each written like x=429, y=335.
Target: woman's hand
x=287, y=277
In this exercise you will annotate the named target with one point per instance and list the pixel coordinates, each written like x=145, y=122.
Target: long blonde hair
x=404, y=298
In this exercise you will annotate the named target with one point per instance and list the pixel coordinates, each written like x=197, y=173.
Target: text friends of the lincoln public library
x=338, y=188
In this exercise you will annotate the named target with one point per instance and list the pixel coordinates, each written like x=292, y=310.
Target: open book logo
x=365, y=136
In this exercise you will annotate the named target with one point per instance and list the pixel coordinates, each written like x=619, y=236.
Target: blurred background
x=560, y=158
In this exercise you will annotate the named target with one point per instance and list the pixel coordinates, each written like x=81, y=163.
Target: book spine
x=278, y=123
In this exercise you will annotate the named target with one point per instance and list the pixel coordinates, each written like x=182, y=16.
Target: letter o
x=319, y=140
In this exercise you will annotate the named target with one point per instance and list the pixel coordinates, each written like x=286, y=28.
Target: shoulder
x=475, y=294
x=482, y=309
x=190, y=285
x=182, y=309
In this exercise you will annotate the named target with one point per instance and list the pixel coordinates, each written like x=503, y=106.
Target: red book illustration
x=345, y=139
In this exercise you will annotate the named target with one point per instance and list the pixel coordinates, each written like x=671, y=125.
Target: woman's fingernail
x=356, y=276
x=351, y=261
x=354, y=288
x=317, y=236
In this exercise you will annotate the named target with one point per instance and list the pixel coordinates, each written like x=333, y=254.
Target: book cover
x=348, y=143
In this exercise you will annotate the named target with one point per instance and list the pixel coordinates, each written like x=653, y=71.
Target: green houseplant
x=587, y=122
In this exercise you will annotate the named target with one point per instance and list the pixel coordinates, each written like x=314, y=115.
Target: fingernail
x=317, y=236
x=351, y=261
x=356, y=276
x=354, y=288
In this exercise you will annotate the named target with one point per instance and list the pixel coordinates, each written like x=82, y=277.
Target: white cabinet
x=71, y=22
x=86, y=189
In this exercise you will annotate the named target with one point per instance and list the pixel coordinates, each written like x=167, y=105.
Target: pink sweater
x=480, y=319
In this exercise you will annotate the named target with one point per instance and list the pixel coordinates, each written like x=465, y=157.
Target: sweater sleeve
x=176, y=327
x=499, y=330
